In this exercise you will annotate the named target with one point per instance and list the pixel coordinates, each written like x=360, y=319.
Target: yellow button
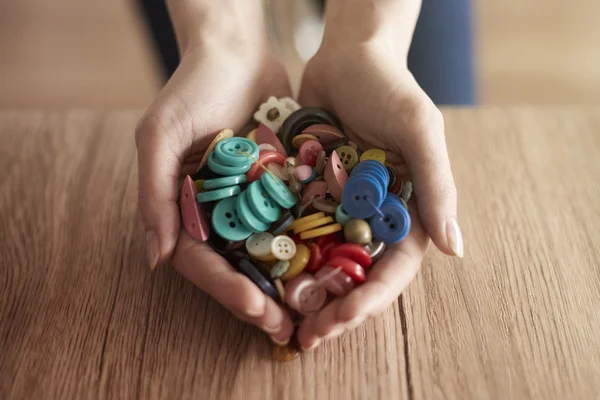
x=199, y=184
x=297, y=264
x=348, y=157
x=312, y=224
x=224, y=134
x=303, y=137
x=322, y=231
x=306, y=219
x=267, y=258
x=373, y=154
x=252, y=136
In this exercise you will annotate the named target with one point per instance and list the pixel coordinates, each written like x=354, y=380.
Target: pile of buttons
x=295, y=206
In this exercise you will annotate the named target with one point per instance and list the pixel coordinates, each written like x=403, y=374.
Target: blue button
x=394, y=224
x=224, y=182
x=250, y=221
x=374, y=164
x=278, y=190
x=227, y=223
x=373, y=173
x=216, y=166
x=362, y=196
x=261, y=203
x=236, y=151
x=214, y=195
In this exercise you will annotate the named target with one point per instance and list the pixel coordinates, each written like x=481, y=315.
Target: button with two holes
x=261, y=203
x=393, y=224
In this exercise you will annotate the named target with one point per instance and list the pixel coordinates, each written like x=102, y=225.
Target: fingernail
x=312, y=346
x=277, y=342
x=335, y=332
x=271, y=330
x=152, y=249
x=454, y=237
x=355, y=322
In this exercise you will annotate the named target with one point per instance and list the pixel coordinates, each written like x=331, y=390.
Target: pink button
x=304, y=295
x=309, y=151
x=315, y=189
x=303, y=172
x=339, y=284
x=335, y=176
x=325, y=133
x=193, y=216
x=266, y=135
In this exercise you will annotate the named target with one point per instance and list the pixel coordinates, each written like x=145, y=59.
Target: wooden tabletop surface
x=82, y=316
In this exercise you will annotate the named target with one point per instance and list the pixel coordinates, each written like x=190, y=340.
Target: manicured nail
x=152, y=249
x=271, y=330
x=312, y=346
x=277, y=342
x=454, y=237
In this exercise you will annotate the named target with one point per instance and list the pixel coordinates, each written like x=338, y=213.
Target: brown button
x=357, y=231
x=321, y=160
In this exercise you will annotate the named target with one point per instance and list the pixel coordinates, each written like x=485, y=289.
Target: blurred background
x=100, y=54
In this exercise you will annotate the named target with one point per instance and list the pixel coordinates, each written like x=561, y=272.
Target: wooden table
x=81, y=315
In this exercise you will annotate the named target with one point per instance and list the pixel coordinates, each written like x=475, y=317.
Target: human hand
x=366, y=83
x=223, y=77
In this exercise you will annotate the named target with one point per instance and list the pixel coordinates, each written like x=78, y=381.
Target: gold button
x=357, y=231
x=348, y=157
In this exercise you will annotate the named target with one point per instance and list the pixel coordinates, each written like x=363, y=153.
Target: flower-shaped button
x=272, y=113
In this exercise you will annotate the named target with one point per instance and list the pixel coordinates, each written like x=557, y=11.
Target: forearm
x=234, y=23
x=363, y=20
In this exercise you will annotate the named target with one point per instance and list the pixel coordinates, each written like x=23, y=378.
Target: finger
x=385, y=281
x=424, y=148
x=211, y=273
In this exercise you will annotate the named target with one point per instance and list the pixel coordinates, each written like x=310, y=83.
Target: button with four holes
x=283, y=247
x=348, y=156
x=226, y=221
x=309, y=151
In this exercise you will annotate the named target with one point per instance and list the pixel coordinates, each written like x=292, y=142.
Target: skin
x=228, y=68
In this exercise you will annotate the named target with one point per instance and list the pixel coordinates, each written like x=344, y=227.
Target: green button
x=341, y=217
x=226, y=222
x=250, y=221
x=261, y=204
x=236, y=151
x=278, y=190
x=214, y=195
x=224, y=182
x=218, y=167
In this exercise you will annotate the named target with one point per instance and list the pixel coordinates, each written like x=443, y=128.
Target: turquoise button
x=236, y=151
x=278, y=190
x=227, y=223
x=218, y=167
x=224, y=182
x=261, y=204
x=250, y=221
x=341, y=217
x=214, y=195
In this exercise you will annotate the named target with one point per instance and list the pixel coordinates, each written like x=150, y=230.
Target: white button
x=259, y=244
x=283, y=248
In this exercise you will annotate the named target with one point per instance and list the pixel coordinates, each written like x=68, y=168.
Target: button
x=262, y=204
x=224, y=134
x=278, y=191
x=193, y=216
x=335, y=176
x=349, y=267
x=291, y=162
x=283, y=247
x=362, y=196
x=304, y=294
x=264, y=158
x=341, y=217
x=227, y=170
x=279, y=268
x=303, y=137
x=375, y=249
x=407, y=190
x=236, y=151
x=324, y=133
x=373, y=154
x=394, y=225
x=272, y=113
x=357, y=231
x=289, y=103
x=227, y=223
x=301, y=119
x=330, y=147
x=298, y=263
x=259, y=244
x=224, y=182
x=248, y=218
x=266, y=147
x=372, y=172
x=199, y=183
x=278, y=171
x=354, y=252
x=304, y=173
x=251, y=271
x=218, y=194
x=312, y=224
x=348, y=157
x=324, y=230
x=339, y=284
x=327, y=248
x=372, y=164
x=266, y=135
x=326, y=205
x=252, y=136
x=308, y=218
x=282, y=224
x=316, y=257
x=285, y=353
x=279, y=286
x=314, y=190
x=395, y=183
x=322, y=241
x=295, y=187
x=321, y=161
x=309, y=151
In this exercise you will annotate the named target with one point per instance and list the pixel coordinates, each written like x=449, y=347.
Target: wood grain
x=81, y=315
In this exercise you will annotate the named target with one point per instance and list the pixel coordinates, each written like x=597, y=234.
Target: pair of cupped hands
x=380, y=106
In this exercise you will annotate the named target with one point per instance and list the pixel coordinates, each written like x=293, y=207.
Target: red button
x=315, y=258
x=327, y=248
x=335, y=176
x=194, y=218
x=266, y=135
x=349, y=267
x=325, y=133
x=264, y=158
x=309, y=151
x=332, y=237
x=354, y=252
